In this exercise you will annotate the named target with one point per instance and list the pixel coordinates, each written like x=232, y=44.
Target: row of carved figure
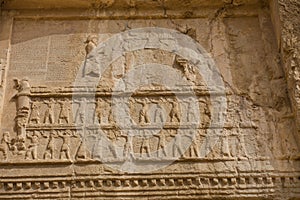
x=99, y=144
x=103, y=112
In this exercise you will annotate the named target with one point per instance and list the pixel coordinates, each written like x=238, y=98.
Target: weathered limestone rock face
x=132, y=99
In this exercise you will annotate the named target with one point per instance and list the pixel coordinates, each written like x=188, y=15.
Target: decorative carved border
x=125, y=186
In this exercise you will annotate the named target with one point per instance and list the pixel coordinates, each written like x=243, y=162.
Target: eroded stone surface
x=159, y=99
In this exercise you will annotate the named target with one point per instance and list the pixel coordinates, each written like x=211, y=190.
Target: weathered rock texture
x=62, y=139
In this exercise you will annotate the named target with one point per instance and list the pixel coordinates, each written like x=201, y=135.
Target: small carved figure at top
x=91, y=43
x=65, y=109
x=49, y=113
x=5, y=145
x=23, y=100
x=188, y=31
x=143, y=115
x=22, y=85
x=35, y=114
x=187, y=68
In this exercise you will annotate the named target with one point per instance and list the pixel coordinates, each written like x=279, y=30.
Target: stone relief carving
x=5, y=145
x=163, y=110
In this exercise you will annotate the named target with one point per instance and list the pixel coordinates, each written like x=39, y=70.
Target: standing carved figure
x=110, y=112
x=161, y=144
x=99, y=110
x=80, y=113
x=65, y=147
x=49, y=152
x=225, y=150
x=194, y=149
x=49, y=113
x=5, y=145
x=177, y=146
x=91, y=44
x=35, y=114
x=82, y=148
x=158, y=114
x=112, y=136
x=128, y=147
x=191, y=116
x=174, y=113
x=32, y=148
x=143, y=115
x=64, y=113
x=145, y=146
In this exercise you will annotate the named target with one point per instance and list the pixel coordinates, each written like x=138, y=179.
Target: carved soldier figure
x=128, y=148
x=5, y=145
x=33, y=146
x=194, y=147
x=177, y=148
x=49, y=113
x=204, y=111
x=99, y=110
x=145, y=147
x=174, y=113
x=49, y=152
x=82, y=149
x=143, y=115
x=65, y=147
x=191, y=116
x=225, y=145
x=21, y=124
x=80, y=114
x=112, y=138
x=110, y=112
x=35, y=114
x=65, y=109
x=161, y=143
x=158, y=114
x=241, y=146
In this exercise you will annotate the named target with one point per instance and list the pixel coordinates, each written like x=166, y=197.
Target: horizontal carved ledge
x=202, y=184
x=97, y=92
x=148, y=127
x=65, y=162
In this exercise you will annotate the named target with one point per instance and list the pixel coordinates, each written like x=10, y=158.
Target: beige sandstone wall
x=60, y=137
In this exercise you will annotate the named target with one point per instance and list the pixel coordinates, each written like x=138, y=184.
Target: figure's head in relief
x=91, y=43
